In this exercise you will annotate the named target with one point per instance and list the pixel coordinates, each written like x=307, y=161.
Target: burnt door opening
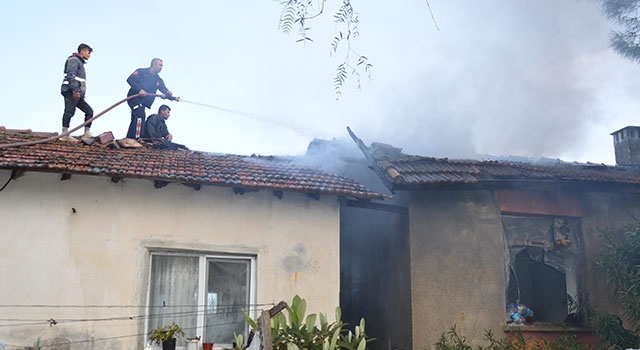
x=539, y=286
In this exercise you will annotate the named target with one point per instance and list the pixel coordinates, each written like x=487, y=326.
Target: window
x=542, y=264
x=204, y=294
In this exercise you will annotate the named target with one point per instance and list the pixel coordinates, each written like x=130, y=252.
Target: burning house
x=102, y=242
x=464, y=238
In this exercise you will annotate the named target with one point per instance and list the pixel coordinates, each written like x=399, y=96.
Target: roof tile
x=258, y=172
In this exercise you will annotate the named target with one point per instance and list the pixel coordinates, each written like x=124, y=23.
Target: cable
x=5, y=185
x=123, y=306
x=200, y=309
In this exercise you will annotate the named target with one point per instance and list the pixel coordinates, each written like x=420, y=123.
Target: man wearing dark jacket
x=73, y=90
x=155, y=127
x=145, y=81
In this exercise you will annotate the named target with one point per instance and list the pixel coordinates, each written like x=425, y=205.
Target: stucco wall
x=86, y=241
x=609, y=212
x=457, y=265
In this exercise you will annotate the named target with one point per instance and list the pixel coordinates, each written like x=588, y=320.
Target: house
x=462, y=238
x=103, y=242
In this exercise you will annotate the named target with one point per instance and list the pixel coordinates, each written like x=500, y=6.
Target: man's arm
x=163, y=88
x=134, y=80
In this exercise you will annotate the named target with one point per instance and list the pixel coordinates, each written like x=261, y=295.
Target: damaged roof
x=166, y=165
x=401, y=171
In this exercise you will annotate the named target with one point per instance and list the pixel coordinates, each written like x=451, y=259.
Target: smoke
x=500, y=77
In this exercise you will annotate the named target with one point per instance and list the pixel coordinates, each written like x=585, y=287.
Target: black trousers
x=70, y=106
x=138, y=119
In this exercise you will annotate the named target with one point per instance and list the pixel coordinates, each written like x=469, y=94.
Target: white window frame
x=203, y=257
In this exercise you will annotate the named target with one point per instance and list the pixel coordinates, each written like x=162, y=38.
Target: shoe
x=69, y=139
x=87, y=134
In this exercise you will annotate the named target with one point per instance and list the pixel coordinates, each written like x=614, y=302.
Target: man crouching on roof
x=156, y=127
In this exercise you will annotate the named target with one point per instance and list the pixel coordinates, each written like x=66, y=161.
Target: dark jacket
x=155, y=128
x=75, y=77
x=143, y=79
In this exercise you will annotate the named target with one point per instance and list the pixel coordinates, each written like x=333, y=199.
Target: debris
x=129, y=143
x=106, y=137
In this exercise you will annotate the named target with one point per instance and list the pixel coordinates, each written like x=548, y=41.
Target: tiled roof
x=182, y=166
x=402, y=171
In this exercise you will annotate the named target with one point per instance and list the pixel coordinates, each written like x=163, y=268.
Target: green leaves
x=298, y=331
x=297, y=13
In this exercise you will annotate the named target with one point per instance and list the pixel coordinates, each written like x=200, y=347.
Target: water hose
x=55, y=137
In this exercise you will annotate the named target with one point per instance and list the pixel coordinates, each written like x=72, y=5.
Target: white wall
x=98, y=255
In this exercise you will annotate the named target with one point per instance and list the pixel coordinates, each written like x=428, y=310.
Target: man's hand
x=169, y=137
x=142, y=92
x=76, y=95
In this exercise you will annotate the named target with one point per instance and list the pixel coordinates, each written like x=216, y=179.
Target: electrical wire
x=6, y=183
x=199, y=309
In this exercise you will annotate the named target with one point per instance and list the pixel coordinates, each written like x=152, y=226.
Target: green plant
x=451, y=340
x=238, y=342
x=301, y=331
x=161, y=334
x=619, y=262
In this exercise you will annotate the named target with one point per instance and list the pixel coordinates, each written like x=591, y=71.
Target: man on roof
x=156, y=127
x=147, y=82
x=73, y=90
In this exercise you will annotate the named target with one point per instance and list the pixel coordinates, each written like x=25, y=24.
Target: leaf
x=310, y=321
x=250, y=321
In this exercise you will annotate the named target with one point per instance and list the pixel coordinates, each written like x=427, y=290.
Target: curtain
x=174, y=292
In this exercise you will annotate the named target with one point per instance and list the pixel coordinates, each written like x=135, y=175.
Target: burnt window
x=541, y=264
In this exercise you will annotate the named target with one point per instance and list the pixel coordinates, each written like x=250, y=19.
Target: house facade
x=464, y=238
x=103, y=243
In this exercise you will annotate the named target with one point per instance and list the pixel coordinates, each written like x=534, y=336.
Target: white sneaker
x=87, y=134
x=68, y=138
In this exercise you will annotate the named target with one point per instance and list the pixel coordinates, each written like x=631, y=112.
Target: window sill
x=535, y=332
x=548, y=327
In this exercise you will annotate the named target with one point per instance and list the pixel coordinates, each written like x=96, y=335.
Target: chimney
x=626, y=143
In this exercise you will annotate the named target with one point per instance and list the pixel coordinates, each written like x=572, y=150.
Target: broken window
x=542, y=263
x=203, y=294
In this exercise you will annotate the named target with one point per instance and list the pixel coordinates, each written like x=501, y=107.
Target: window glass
x=227, y=296
x=209, y=304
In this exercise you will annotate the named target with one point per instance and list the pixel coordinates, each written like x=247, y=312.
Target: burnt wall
x=374, y=275
x=457, y=265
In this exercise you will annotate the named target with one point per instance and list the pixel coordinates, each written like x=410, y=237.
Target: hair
x=84, y=46
x=154, y=60
x=162, y=108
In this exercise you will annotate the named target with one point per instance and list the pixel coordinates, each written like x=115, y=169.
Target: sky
x=532, y=78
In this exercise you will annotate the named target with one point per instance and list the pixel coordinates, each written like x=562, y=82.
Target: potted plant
x=166, y=336
x=192, y=343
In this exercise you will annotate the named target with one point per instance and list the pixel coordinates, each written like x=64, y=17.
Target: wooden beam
x=368, y=204
x=242, y=190
x=160, y=184
x=194, y=186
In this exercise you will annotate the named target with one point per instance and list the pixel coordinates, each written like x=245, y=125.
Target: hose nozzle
x=171, y=98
